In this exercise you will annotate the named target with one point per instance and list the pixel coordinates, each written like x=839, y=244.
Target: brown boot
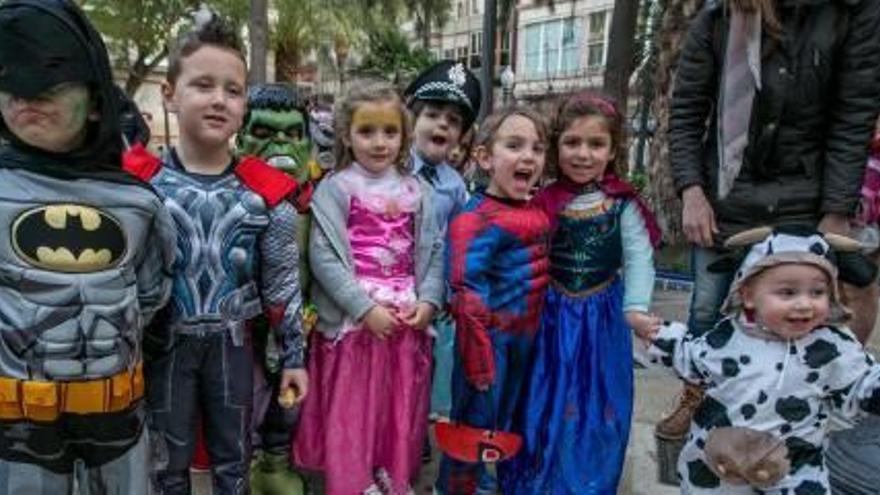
x=678, y=423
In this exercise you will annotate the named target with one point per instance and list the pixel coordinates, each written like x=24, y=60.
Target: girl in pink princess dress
x=376, y=258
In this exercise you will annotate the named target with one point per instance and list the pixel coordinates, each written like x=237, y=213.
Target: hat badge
x=457, y=75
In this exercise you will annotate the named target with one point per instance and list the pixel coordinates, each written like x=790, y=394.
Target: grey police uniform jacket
x=84, y=267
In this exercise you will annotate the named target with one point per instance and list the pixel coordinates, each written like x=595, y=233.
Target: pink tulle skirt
x=366, y=417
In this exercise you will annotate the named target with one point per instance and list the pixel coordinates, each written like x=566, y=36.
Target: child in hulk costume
x=276, y=130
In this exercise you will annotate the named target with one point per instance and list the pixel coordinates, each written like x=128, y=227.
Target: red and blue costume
x=498, y=271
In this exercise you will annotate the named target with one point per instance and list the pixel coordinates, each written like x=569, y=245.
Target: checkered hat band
x=431, y=88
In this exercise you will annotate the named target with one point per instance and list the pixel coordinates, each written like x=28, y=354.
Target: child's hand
x=643, y=324
x=419, y=316
x=381, y=321
x=294, y=387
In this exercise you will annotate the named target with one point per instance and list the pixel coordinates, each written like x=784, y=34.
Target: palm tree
x=428, y=14
x=258, y=31
x=661, y=190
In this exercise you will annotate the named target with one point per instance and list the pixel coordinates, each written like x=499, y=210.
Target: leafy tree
x=388, y=54
x=138, y=32
x=428, y=14
x=305, y=26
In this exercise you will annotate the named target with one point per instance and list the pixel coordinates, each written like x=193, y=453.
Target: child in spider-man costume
x=497, y=263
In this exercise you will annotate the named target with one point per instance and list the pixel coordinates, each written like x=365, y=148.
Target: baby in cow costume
x=774, y=368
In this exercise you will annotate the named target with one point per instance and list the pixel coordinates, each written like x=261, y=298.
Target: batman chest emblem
x=68, y=238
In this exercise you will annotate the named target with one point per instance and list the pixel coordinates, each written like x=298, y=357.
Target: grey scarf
x=740, y=81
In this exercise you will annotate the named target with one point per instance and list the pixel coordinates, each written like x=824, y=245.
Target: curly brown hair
x=368, y=91
x=590, y=104
x=769, y=15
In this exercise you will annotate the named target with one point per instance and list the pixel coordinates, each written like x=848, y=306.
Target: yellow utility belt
x=45, y=401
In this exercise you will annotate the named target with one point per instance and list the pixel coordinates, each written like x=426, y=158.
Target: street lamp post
x=508, y=79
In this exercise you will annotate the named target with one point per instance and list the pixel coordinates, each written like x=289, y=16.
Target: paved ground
x=655, y=396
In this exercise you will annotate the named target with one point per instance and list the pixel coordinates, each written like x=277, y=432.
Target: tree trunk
x=620, y=50
x=140, y=69
x=258, y=30
x=487, y=69
x=661, y=189
x=426, y=32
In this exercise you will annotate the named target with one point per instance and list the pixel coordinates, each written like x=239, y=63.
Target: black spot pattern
x=729, y=367
x=665, y=345
x=711, y=414
x=810, y=488
x=820, y=353
x=841, y=334
x=812, y=377
x=745, y=359
x=872, y=403
x=668, y=348
x=802, y=453
x=762, y=397
x=720, y=335
x=792, y=409
x=701, y=476
x=838, y=396
x=748, y=411
x=778, y=366
x=818, y=248
x=785, y=429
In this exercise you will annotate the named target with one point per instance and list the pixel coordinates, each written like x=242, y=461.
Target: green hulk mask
x=276, y=130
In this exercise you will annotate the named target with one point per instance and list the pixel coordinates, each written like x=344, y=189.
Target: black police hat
x=448, y=81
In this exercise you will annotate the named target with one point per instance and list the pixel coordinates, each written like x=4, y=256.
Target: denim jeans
x=710, y=290
x=853, y=458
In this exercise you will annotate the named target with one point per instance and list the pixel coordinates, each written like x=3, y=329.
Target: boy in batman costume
x=275, y=129
x=83, y=268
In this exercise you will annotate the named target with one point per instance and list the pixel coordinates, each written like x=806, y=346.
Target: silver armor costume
x=232, y=253
x=236, y=258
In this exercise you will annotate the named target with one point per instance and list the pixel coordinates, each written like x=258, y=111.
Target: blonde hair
x=368, y=91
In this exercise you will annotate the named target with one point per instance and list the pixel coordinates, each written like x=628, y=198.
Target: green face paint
x=280, y=138
x=56, y=120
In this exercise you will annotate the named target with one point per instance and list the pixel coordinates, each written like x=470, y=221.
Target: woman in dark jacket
x=773, y=107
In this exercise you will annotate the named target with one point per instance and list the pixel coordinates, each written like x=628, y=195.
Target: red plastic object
x=468, y=444
x=201, y=460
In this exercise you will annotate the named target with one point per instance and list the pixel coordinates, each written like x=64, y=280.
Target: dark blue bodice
x=586, y=248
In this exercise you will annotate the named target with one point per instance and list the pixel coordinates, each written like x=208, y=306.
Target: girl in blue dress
x=575, y=418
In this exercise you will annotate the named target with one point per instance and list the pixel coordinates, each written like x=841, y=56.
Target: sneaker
x=677, y=425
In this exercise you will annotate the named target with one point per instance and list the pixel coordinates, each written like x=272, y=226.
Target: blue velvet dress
x=575, y=416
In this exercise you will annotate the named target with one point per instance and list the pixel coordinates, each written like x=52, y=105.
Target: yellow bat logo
x=68, y=238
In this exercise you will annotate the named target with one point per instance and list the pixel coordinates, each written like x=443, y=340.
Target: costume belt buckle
x=10, y=399
x=87, y=397
x=40, y=401
x=137, y=382
x=120, y=391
